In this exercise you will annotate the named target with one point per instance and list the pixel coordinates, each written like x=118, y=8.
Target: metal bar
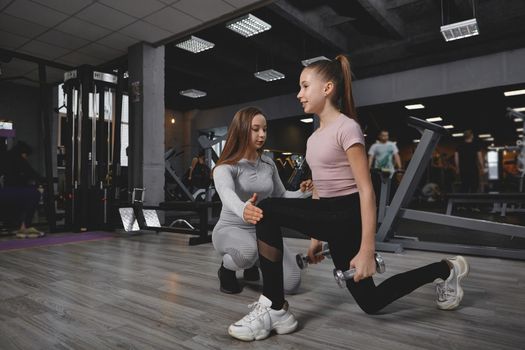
x=45, y=105
x=463, y=249
x=408, y=184
x=461, y=222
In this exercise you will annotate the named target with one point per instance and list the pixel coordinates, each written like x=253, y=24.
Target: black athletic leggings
x=337, y=221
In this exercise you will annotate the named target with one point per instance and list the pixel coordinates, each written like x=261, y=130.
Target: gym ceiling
x=380, y=36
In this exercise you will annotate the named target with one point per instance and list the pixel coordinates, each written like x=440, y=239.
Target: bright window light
x=309, y=61
x=269, y=75
x=458, y=134
x=193, y=93
x=514, y=92
x=520, y=109
x=307, y=120
x=484, y=136
x=416, y=106
x=248, y=25
x=449, y=126
x=434, y=119
x=195, y=45
x=460, y=30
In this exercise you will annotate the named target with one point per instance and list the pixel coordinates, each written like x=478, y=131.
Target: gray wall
x=20, y=103
x=499, y=69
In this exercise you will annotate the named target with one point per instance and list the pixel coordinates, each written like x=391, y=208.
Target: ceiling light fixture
x=519, y=129
x=416, y=141
x=460, y=30
x=520, y=109
x=248, y=25
x=309, y=61
x=193, y=93
x=514, y=93
x=195, y=45
x=484, y=136
x=416, y=106
x=434, y=119
x=269, y=75
x=458, y=134
x=490, y=139
x=287, y=153
x=518, y=120
x=449, y=126
x=307, y=120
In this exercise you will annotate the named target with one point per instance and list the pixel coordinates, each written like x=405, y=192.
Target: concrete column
x=146, y=117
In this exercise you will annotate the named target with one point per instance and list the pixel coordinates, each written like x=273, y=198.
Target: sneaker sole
x=463, y=262
x=279, y=329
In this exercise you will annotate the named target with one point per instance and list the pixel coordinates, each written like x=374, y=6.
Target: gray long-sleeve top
x=237, y=183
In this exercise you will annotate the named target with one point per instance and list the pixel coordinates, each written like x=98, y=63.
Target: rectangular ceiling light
x=460, y=30
x=491, y=139
x=248, y=25
x=269, y=75
x=286, y=153
x=416, y=106
x=307, y=120
x=519, y=129
x=514, y=93
x=449, y=126
x=520, y=109
x=309, y=61
x=193, y=93
x=484, y=136
x=458, y=134
x=518, y=119
x=416, y=140
x=434, y=119
x=195, y=45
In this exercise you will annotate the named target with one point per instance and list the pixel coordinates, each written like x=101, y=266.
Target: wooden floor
x=156, y=292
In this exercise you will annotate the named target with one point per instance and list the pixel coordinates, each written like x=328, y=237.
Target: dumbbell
x=303, y=261
x=341, y=277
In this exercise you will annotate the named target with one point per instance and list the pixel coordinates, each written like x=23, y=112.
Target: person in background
x=20, y=192
x=384, y=153
x=469, y=163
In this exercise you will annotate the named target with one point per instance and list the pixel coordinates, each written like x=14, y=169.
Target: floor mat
x=54, y=239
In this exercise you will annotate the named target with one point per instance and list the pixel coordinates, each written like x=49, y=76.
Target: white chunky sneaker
x=449, y=292
x=259, y=323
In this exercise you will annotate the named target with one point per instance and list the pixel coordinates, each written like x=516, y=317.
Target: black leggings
x=337, y=221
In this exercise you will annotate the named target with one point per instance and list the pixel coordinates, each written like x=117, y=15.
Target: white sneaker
x=449, y=292
x=258, y=324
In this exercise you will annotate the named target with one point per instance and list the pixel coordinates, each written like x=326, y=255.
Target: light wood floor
x=155, y=292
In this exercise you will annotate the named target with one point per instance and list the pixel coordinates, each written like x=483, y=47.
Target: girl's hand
x=365, y=265
x=251, y=213
x=307, y=185
x=315, y=248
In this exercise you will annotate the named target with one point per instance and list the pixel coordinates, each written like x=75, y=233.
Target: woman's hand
x=251, y=213
x=364, y=263
x=307, y=185
x=315, y=248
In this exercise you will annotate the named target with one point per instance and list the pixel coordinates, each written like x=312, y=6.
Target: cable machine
x=92, y=147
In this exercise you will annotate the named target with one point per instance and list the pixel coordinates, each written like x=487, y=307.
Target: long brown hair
x=339, y=73
x=238, y=137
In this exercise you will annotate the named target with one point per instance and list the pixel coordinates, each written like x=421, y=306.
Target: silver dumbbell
x=341, y=277
x=303, y=261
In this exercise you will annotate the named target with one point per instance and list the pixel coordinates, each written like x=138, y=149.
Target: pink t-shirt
x=326, y=156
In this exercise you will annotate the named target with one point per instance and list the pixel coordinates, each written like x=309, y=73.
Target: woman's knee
x=243, y=259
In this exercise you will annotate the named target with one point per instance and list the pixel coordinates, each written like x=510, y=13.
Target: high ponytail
x=346, y=96
x=338, y=71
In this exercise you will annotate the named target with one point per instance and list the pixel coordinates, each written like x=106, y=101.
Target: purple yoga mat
x=20, y=243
